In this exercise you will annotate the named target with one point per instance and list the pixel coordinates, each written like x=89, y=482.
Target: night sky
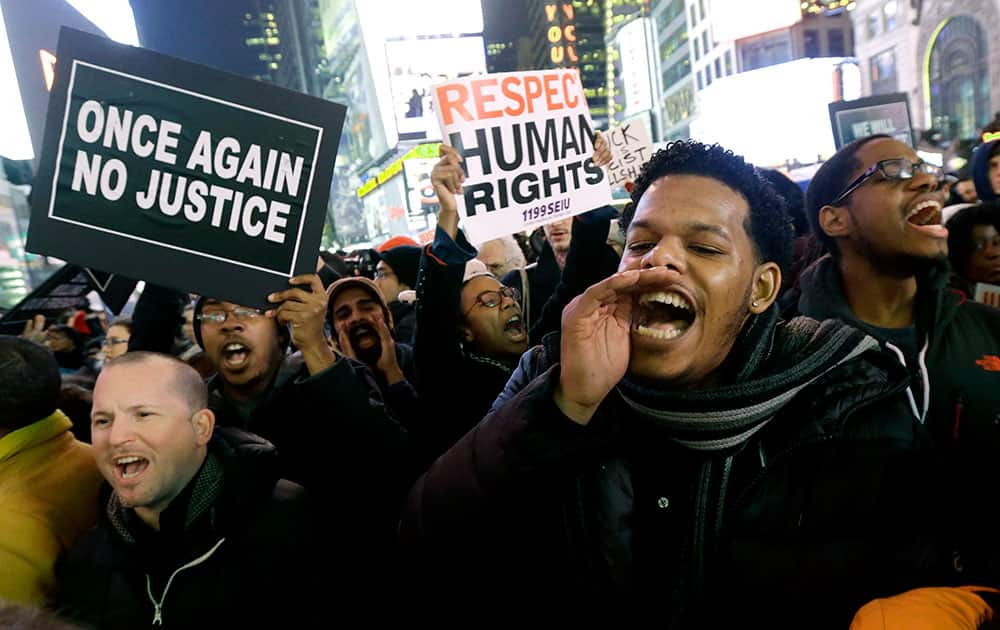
x=206, y=32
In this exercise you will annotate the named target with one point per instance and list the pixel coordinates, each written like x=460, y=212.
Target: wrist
x=393, y=375
x=580, y=413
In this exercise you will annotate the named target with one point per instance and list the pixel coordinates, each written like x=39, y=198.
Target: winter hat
x=396, y=241
x=475, y=268
x=405, y=261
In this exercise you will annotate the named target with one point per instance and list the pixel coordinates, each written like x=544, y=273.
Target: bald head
x=184, y=380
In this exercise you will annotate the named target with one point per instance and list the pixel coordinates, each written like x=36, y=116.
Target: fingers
x=602, y=151
x=447, y=175
x=345, y=345
x=609, y=290
x=315, y=292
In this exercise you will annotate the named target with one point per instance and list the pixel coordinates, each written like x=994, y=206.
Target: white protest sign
x=631, y=147
x=527, y=142
x=988, y=294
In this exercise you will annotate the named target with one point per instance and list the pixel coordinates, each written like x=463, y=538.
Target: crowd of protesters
x=729, y=404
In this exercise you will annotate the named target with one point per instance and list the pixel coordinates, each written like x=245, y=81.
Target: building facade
x=944, y=54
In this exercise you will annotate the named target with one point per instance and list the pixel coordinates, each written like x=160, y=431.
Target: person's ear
x=766, y=285
x=203, y=422
x=834, y=221
x=467, y=335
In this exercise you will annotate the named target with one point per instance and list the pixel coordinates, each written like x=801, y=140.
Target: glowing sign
x=561, y=33
x=990, y=136
x=48, y=67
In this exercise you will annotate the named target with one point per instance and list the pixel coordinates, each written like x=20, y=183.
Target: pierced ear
x=467, y=335
x=834, y=221
x=766, y=285
x=204, y=424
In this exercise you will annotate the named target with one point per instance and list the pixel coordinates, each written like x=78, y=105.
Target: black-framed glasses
x=113, y=341
x=893, y=169
x=240, y=313
x=492, y=299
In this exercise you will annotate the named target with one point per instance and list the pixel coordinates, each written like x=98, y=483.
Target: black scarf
x=770, y=363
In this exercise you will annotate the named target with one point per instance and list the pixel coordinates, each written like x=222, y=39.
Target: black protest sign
x=631, y=147
x=884, y=114
x=67, y=288
x=180, y=174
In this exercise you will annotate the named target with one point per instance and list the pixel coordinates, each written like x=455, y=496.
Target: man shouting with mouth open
x=678, y=450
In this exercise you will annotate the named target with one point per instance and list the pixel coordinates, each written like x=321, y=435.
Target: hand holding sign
x=602, y=152
x=304, y=312
x=34, y=329
x=447, y=178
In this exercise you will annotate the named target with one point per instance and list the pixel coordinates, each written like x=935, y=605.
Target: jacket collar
x=36, y=433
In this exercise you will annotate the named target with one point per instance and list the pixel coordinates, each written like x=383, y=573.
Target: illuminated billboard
x=28, y=35
x=736, y=19
x=770, y=131
x=417, y=64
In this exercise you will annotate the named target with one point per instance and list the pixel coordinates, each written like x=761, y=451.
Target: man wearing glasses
x=877, y=208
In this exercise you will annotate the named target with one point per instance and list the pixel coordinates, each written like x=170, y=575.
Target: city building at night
x=944, y=54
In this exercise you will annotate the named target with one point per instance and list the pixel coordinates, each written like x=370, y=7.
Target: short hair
x=767, y=222
x=830, y=181
x=29, y=382
x=960, y=246
x=124, y=322
x=24, y=617
x=512, y=254
x=73, y=334
x=186, y=381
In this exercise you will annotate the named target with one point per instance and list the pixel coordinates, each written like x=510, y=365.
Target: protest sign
x=67, y=288
x=527, y=142
x=885, y=114
x=988, y=294
x=631, y=147
x=179, y=174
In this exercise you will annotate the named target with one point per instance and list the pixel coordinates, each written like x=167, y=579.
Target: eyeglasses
x=114, y=341
x=383, y=273
x=492, y=299
x=894, y=169
x=240, y=314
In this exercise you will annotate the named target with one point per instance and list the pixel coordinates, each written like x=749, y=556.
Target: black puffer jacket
x=836, y=501
x=244, y=562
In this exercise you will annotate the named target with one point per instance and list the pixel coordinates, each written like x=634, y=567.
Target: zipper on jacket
x=158, y=605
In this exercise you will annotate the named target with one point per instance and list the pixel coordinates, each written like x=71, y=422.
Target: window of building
x=874, y=24
x=718, y=67
x=701, y=7
x=889, y=12
x=676, y=72
x=729, y=63
x=704, y=41
x=698, y=77
x=883, y=72
x=694, y=15
x=697, y=51
x=810, y=41
x=673, y=43
x=708, y=75
x=835, y=43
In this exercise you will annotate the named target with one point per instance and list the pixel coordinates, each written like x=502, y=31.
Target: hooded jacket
x=48, y=492
x=233, y=550
x=825, y=504
x=981, y=170
x=957, y=380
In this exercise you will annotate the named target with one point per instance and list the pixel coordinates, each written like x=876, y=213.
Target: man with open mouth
x=877, y=208
x=195, y=528
x=679, y=451
x=363, y=326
